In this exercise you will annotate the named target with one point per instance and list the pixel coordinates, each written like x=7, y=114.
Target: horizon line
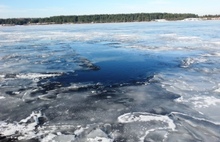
x=112, y=14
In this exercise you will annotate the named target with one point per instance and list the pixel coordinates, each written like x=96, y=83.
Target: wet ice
x=110, y=82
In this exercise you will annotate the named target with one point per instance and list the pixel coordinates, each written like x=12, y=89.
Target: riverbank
x=157, y=20
x=102, y=18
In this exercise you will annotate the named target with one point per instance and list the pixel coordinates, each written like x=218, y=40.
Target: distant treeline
x=211, y=16
x=103, y=18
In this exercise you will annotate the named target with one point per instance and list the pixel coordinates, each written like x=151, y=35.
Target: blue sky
x=46, y=8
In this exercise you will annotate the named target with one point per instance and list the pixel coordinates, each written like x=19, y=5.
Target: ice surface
x=62, y=138
x=217, y=90
x=98, y=135
x=146, y=117
x=35, y=75
x=97, y=139
x=25, y=128
x=155, y=81
x=201, y=101
x=2, y=97
x=150, y=118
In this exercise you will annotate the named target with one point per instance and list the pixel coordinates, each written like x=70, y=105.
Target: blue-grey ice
x=127, y=82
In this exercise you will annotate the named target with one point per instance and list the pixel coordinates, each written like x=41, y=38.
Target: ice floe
x=25, y=129
x=98, y=135
x=146, y=117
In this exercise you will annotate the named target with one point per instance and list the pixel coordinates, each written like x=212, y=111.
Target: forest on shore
x=101, y=18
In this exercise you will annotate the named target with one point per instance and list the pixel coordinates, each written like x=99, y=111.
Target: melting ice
x=124, y=82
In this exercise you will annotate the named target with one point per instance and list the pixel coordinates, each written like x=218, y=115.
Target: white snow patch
x=35, y=75
x=204, y=101
x=187, y=38
x=216, y=42
x=200, y=101
x=2, y=97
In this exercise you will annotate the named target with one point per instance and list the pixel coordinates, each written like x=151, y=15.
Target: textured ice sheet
x=146, y=117
x=110, y=82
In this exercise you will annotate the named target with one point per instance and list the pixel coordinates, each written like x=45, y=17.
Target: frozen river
x=124, y=82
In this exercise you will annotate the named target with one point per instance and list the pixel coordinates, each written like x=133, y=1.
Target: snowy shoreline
x=157, y=20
